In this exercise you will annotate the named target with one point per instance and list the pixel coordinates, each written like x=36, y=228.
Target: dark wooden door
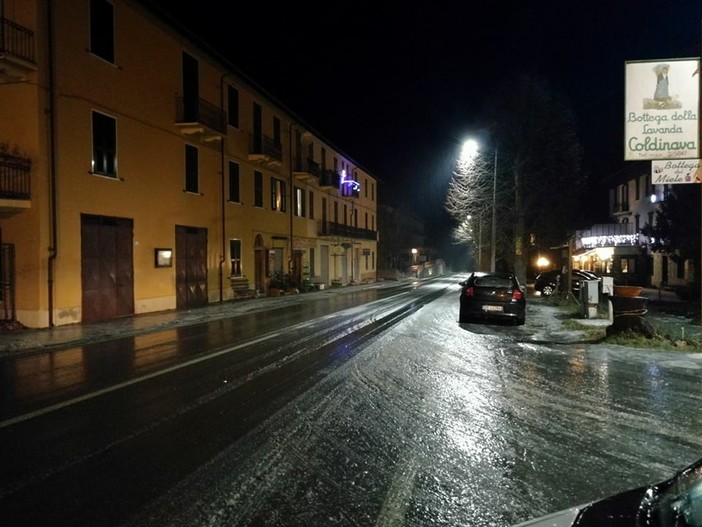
x=191, y=266
x=107, y=267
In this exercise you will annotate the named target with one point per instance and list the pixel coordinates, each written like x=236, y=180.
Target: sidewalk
x=27, y=339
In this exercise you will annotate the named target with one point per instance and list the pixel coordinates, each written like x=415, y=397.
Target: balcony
x=329, y=179
x=201, y=119
x=265, y=151
x=306, y=169
x=14, y=183
x=16, y=51
x=337, y=230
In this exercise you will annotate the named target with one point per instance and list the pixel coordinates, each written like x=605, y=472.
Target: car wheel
x=547, y=290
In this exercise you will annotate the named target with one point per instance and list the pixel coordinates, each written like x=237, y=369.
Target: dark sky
x=397, y=85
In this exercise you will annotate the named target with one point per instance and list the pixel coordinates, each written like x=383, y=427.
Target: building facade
x=140, y=172
x=619, y=249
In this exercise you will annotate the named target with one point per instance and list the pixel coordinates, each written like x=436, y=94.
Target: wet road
x=387, y=415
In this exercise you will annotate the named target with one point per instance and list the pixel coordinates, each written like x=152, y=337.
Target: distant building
x=618, y=249
x=139, y=172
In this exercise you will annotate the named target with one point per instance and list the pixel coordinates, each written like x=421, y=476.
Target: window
x=235, y=257
x=336, y=212
x=191, y=170
x=104, y=145
x=275, y=262
x=680, y=268
x=299, y=202
x=278, y=194
x=276, y=131
x=628, y=265
x=102, y=30
x=258, y=189
x=311, y=206
x=366, y=220
x=233, y=107
x=234, y=182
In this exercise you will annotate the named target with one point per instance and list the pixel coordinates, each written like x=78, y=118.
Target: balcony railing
x=200, y=117
x=306, y=168
x=266, y=150
x=330, y=228
x=16, y=49
x=329, y=179
x=14, y=177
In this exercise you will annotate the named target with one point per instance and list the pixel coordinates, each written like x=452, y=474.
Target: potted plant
x=276, y=285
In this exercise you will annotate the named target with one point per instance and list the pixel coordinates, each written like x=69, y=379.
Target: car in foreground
x=674, y=502
x=492, y=296
x=547, y=282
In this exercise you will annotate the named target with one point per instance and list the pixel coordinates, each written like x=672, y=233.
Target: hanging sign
x=674, y=171
x=662, y=110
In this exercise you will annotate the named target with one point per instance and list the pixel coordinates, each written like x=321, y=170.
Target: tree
x=539, y=173
x=676, y=229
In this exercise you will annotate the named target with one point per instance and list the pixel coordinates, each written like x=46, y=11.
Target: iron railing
x=16, y=41
x=14, y=177
x=330, y=228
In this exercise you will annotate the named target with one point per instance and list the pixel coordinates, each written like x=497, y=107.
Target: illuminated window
x=235, y=257
x=299, y=202
x=278, y=194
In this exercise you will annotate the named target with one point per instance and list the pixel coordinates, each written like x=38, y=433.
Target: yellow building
x=140, y=172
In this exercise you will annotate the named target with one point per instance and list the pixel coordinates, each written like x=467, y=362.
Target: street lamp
x=494, y=216
x=470, y=149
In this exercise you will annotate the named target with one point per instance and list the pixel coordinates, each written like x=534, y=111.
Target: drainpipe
x=223, y=204
x=292, y=197
x=222, y=191
x=53, y=249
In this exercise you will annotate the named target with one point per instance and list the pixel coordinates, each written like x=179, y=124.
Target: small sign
x=675, y=171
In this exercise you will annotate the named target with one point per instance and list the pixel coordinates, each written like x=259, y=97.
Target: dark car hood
x=616, y=511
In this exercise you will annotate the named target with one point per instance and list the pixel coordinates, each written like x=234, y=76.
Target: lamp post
x=470, y=148
x=494, y=216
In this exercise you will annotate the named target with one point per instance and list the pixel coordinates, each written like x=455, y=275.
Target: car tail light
x=517, y=294
x=469, y=291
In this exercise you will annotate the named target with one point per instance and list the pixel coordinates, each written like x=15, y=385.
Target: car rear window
x=493, y=281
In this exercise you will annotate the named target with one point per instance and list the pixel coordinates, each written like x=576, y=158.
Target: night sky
x=397, y=85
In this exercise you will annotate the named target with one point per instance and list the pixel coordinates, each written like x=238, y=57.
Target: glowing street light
x=470, y=149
